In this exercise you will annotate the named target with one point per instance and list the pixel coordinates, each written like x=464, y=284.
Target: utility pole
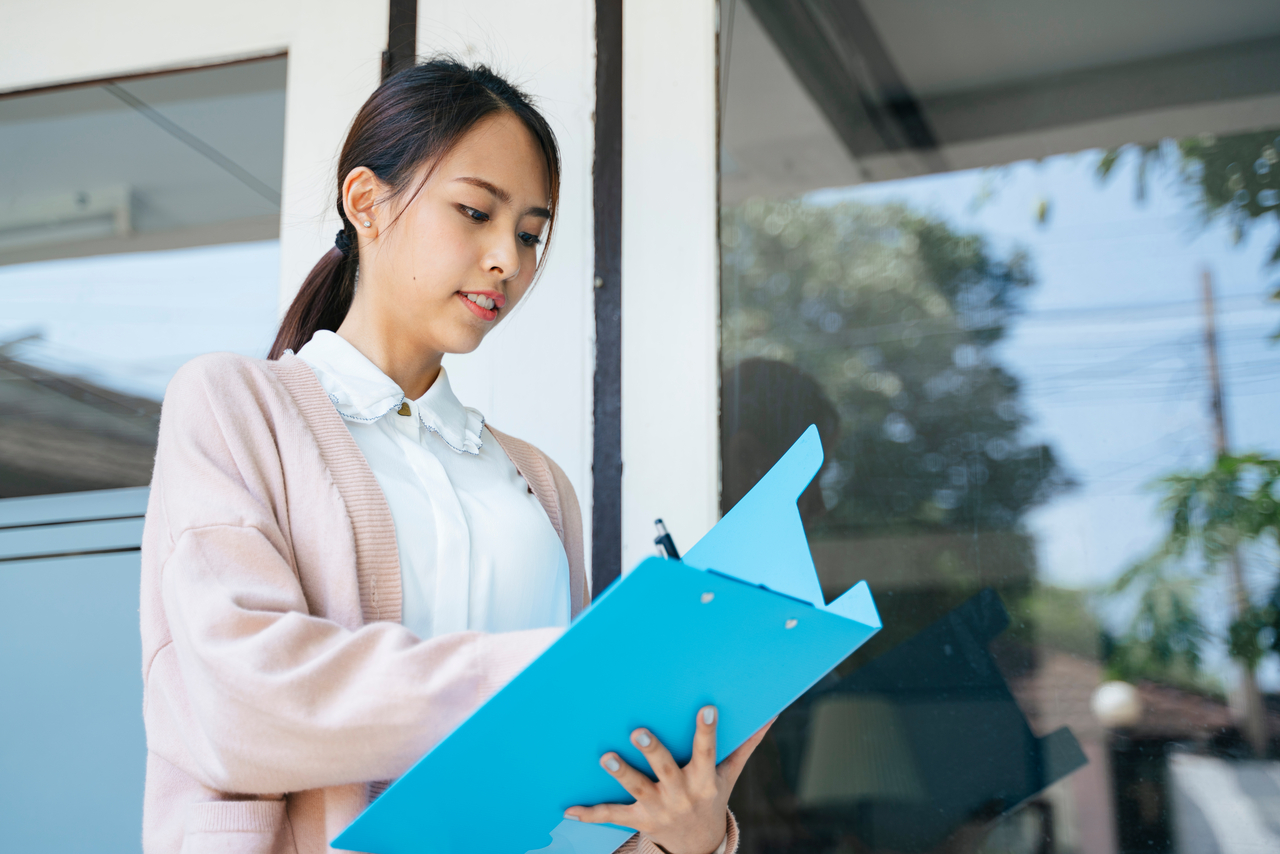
x=1250, y=697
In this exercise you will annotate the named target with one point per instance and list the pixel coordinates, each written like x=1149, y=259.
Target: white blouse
x=477, y=550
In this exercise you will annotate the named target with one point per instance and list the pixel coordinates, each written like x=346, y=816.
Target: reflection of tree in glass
x=1236, y=177
x=1212, y=515
x=896, y=315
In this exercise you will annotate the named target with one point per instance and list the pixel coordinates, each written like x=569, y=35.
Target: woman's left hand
x=684, y=811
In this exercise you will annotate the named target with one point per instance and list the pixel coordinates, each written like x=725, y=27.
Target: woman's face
x=464, y=249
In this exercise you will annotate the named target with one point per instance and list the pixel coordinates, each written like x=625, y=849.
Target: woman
x=340, y=561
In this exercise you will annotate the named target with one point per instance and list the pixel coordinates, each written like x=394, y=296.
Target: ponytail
x=322, y=301
x=413, y=119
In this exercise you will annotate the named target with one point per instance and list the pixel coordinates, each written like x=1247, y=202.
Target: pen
x=666, y=546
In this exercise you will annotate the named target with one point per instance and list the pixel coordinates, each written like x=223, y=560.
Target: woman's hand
x=684, y=812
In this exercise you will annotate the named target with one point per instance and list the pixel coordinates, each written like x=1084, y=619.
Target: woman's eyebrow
x=502, y=195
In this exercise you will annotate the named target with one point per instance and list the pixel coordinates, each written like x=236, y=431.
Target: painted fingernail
x=642, y=739
x=612, y=765
x=709, y=715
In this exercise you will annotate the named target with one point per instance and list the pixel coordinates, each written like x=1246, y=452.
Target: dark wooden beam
x=606, y=462
x=402, y=37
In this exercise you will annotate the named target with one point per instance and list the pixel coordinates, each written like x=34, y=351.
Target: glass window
x=141, y=230
x=1016, y=262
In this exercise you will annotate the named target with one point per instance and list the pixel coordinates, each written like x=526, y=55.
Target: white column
x=670, y=292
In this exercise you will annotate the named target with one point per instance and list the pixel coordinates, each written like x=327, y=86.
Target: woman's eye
x=478, y=216
x=529, y=239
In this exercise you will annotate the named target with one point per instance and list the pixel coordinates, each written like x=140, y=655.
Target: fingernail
x=709, y=715
x=642, y=739
x=571, y=817
x=612, y=765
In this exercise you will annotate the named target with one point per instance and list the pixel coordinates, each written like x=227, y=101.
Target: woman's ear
x=360, y=191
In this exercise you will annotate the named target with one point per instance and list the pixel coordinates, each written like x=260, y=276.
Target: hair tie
x=343, y=242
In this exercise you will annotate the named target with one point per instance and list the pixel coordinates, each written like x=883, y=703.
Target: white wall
x=335, y=59
x=670, y=269
x=533, y=376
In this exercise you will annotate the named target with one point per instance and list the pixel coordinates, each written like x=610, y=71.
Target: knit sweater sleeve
x=250, y=692
x=642, y=844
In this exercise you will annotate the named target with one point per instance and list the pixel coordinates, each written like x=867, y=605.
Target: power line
x=1008, y=319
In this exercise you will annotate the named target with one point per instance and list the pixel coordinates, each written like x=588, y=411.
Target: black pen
x=666, y=545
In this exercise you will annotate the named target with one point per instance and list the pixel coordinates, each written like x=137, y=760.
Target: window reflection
x=140, y=231
x=981, y=246
x=923, y=745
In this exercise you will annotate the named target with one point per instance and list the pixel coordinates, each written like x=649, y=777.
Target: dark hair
x=413, y=119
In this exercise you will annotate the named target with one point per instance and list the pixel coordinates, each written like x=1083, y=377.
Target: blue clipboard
x=740, y=623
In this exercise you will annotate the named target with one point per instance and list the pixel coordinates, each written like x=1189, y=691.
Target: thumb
x=733, y=764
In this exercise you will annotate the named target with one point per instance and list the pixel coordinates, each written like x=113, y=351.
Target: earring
x=367, y=223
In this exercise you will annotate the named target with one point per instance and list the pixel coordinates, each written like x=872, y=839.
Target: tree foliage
x=1235, y=178
x=1212, y=514
x=897, y=315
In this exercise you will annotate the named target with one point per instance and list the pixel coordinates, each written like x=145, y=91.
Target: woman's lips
x=488, y=314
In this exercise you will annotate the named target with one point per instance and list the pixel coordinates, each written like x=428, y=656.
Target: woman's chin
x=464, y=341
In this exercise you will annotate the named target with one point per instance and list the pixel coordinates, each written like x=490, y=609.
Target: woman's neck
x=409, y=366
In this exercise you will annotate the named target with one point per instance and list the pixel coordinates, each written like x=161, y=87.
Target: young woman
x=340, y=560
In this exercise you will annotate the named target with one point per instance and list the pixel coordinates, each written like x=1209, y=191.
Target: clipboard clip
x=663, y=544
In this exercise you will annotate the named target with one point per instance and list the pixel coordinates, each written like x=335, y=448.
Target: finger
x=731, y=767
x=604, y=813
x=636, y=784
x=659, y=758
x=704, y=740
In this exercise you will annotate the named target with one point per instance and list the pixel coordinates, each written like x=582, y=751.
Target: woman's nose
x=503, y=260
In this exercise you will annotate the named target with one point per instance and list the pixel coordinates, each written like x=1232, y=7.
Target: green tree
x=897, y=316
x=1213, y=515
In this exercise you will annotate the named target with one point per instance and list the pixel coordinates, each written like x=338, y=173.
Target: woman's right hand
x=684, y=811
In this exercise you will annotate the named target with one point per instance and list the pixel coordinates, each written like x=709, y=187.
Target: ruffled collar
x=361, y=392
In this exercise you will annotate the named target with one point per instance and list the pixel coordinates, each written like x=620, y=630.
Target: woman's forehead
x=501, y=152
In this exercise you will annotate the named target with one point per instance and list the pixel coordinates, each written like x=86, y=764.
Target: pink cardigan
x=278, y=681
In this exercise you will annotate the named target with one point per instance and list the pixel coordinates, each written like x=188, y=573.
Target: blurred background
x=1017, y=260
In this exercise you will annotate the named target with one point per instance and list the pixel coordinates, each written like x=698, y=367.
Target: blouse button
x=404, y=409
